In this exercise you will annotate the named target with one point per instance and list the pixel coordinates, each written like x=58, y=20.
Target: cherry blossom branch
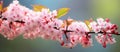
x=87, y=32
x=20, y=20
x=65, y=32
x=116, y=33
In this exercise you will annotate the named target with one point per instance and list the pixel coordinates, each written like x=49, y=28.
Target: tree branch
x=102, y=33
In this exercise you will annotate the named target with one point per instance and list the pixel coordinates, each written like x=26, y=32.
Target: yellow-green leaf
x=38, y=8
x=62, y=11
x=87, y=22
x=1, y=5
x=4, y=9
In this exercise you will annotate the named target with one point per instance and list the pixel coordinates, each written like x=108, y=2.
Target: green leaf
x=62, y=11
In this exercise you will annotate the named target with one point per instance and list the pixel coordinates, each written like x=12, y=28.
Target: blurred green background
x=80, y=10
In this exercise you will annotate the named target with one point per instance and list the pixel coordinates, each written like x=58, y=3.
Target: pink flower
x=95, y=27
x=105, y=39
x=86, y=40
x=106, y=29
x=80, y=36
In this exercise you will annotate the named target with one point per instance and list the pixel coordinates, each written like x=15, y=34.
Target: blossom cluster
x=20, y=20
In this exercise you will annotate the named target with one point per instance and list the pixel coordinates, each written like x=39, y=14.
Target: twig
x=87, y=32
x=103, y=32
